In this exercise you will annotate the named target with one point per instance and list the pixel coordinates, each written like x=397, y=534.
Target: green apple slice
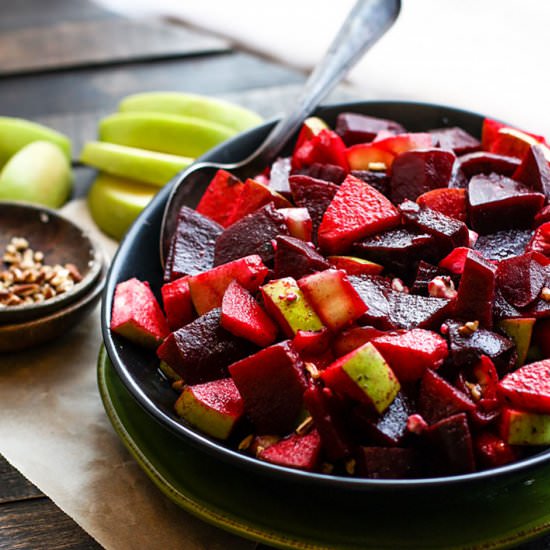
x=116, y=202
x=207, y=108
x=38, y=173
x=16, y=133
x=164, y=133
x=520, y=331
x=131, y=162
x=524, y=428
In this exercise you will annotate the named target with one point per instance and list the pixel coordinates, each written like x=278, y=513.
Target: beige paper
x=53, y=429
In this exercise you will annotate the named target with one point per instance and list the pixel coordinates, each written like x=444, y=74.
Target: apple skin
x=115, y=203
x=38, y=173
x=520, y=331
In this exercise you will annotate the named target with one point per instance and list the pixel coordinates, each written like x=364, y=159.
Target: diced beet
x=410, y=311
x=491, y=451
x=387, y=462
x=202, y=350
x=354, y=128
x=455, y=260
x=425, y=273
x=220, y=197
x=437, y=399
x=448, y=233
x=136, y=314
x=296, y=258
x=534, y=171
x=299, y=451
x=191, y=248
x=176, y=299
x=390, y=428
x=528, y=388
x=411, y=353
x=484, y=162
x=278, y=176
x=498, y=203
x=326, y=411
x=272, y=384
x=466, y=349
x=476, y=291
x=543, y=216
x=520, y=279
x=452, y=441
x=244, y=317
x=503, y=244
x=374, y=291
x=326, y=172
x=540, y=241
x=333, y=298
x=397, y=250
x=356, y=211
x=355, y=266
x=253, y=234
x=313, y=194
x=253, y=196
x=353, y=338
x=451, y=202
x=455, y=139
x=326, y=147
x=207, y=288
x=415, y=172
x=377, y=179
x=502, y=309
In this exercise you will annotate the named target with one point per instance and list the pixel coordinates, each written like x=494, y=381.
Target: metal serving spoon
x=365, y=24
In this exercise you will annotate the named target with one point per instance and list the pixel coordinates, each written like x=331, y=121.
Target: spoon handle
x=365, y=24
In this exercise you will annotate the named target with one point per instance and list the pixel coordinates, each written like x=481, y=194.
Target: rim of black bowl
x=446, y=115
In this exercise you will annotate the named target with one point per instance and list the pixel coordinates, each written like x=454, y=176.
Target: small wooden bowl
x=61, y=241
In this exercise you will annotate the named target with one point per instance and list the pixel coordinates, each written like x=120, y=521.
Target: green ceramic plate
x=287, y=515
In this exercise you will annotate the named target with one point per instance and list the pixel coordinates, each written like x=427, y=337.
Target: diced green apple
x=298, y=222
x=520, y=331
x=524, y=428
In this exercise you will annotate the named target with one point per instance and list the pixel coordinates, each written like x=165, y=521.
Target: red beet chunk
x=410, y=311
x=313, y=194
x=397, y=250
x=520, y=279
x=326, y=147
x=326, y=172
x=271, y=383
x=191, y=249
x=447, y=232
x=476, y=292
x=540, y=241
x=220, y=195
x=467, y=349
x=415, y=172
x=503, y=244
x=498, y=203
x=437, y=399
x=412, y=352
x=534, y=171
x=253, y=234
x=528, y=387
x=176, y=299
x=390, y=428
x=202, y=350
x=327, y=413
x=455, y=260
x=353, y=338
x=387, y=463
x=354, y=128
x=379, y=180
x=425, y=273
x=484, y=162
x=356, y=211
x=542, y=216
x=451, y=202
x=278, y=176
x=502, y=309
x=451, y=439
x=492, y=452
x=374, y=291
x=244, y=317
x=295, y=451
x=296, y=258
x=455, y=139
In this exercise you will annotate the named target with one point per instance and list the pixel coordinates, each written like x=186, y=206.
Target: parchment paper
x=54, y=430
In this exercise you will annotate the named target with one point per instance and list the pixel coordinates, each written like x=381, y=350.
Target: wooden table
x=67, y=63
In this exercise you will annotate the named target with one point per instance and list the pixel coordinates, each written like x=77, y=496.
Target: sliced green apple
x=523, y=428
x=133, y=163
x=520, y=331
x=115, y=202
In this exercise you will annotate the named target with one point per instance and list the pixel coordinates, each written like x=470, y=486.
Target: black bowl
x=138, y=256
